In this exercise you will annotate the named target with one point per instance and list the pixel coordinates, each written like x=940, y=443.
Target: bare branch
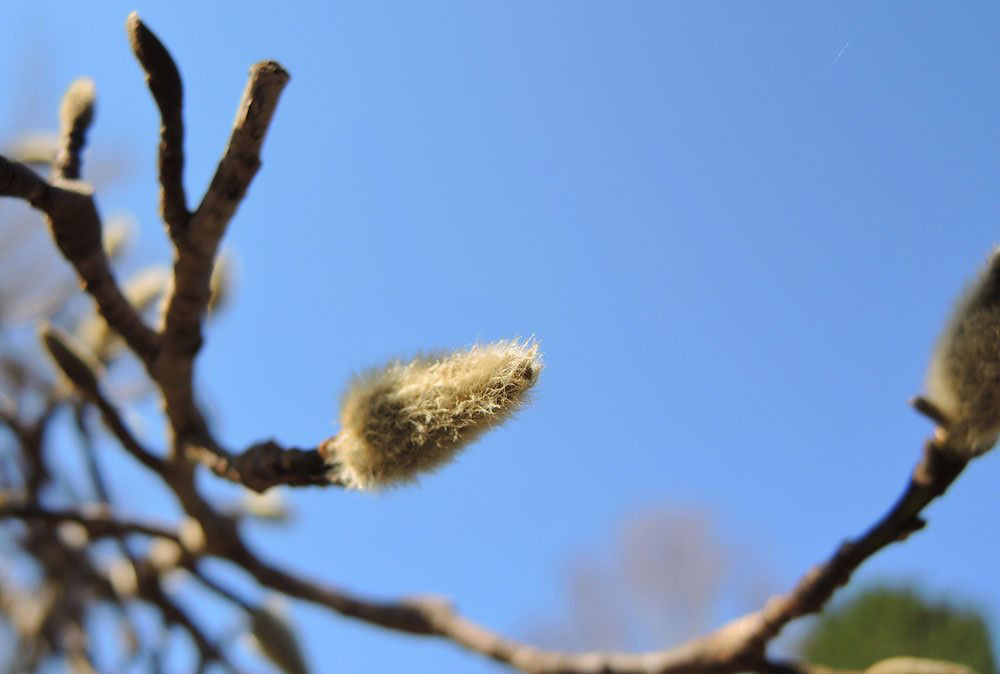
x=242, y=158
x=75, y=366
x=98, y=520
x=76, y=229
x=151, y=590
x=265, y=465
x=164, y=83
x=196, y=251
x=738, y=646
x=938, y=468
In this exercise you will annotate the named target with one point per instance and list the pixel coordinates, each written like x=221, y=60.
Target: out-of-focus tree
x=670, y=576
x=884, y=621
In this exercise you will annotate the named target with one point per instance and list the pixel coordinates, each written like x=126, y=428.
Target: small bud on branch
x=71, y=357
x=408, y=418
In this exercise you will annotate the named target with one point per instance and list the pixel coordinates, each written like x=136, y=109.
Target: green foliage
x=883, y=622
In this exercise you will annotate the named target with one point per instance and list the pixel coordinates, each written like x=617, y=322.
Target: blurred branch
x=98, y=520
x=736, y=647
x=76, y=229
x=74, y=364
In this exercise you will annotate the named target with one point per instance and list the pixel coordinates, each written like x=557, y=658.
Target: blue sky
x=736, y=240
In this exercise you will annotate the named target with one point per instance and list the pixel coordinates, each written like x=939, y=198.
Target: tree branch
x=197, y=249
x=76, y=368
x=937, y=469
x=76, y=228
x=737, y=646
x=164, y=82
x=265, y=465
x=98, y=520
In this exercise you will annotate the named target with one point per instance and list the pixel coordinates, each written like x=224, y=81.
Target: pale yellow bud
x=165, y=554
x=121, y=573
x=73, y=535
x=408, y=418
x=192, y=535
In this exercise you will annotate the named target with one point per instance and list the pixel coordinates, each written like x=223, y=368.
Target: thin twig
x=98, y=520
x=738, y=646
x=79, y=369
x=113, y=420
x=151, y=590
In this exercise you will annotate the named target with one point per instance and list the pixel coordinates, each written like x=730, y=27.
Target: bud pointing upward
x=412, y=417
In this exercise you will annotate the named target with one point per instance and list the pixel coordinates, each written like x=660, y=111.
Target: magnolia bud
x=76, y=363
x=276, y=639
x=192, y=536
x=165, y=554
x=963, y=383
x=408, y=418
x=73, y=535
x=121, y=573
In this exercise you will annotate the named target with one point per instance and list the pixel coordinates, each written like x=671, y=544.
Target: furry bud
x=72, y=358
x=963, y=383
x=412, y=417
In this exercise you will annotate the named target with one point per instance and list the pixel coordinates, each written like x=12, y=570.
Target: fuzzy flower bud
x=963, y=383
x=408, y=418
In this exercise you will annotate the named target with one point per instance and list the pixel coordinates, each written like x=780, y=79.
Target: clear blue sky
x=735, y=227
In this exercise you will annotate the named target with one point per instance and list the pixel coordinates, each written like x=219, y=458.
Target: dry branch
x=164, y=82
x=76, y=228
x=98, y=520
x=265, y=465
x=197, y=249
